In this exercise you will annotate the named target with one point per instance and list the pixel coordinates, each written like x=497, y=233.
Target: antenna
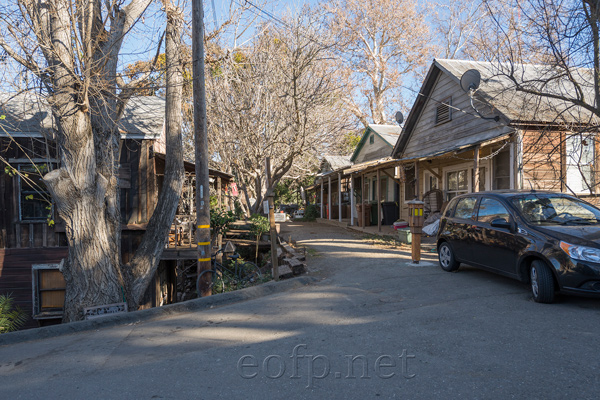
x=399, y=117
x=469, y=82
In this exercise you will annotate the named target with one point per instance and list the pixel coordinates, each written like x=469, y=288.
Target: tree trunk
x=145, y=261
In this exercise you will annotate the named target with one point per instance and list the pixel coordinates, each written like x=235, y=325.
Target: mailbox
x=415, y=215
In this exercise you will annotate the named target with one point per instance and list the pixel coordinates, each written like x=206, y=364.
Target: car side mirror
x=501, y=223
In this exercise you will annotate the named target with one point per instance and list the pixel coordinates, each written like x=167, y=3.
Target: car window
x=464, y=208
x=491, y=209
x=556, y=210
x=450, y=208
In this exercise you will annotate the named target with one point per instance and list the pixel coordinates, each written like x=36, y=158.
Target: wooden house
x=496, y=137
x=31, y=249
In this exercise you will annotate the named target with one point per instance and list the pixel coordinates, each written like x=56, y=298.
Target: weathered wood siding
x=16, y=276
x=543, y=158
x=379, y=149
x=15, y=233
x=464, y=128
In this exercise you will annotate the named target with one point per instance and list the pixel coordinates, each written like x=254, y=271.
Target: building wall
x=378, y=149
x=464, y=128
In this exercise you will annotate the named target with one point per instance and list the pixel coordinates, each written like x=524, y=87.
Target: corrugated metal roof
x=29, y=114
x=498, y=89
x=389, y=133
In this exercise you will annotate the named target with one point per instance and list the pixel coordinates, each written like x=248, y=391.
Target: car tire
x=446, y=258
x=541, y=281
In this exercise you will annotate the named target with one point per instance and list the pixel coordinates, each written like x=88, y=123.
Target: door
x=458, y=228
x=494, y=247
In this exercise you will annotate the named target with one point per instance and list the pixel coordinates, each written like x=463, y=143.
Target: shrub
x=11, y=319
x=311, y=213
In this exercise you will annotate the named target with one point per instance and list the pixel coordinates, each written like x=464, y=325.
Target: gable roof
x=29, y=114
x=389, y=134
x=497, y=91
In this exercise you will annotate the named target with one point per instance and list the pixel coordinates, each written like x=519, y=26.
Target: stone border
x=157, y=312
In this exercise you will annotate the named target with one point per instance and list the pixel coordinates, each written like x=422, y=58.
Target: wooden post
x=378, y=202
x=201, y=143
x=352, y=201
x=340, y=197
x=329, y=197
x=362, y=200
x=476, y=169
x=220, y=206
x=417, y=185
x=321, y=198
x=219, y=189
x=273, y=231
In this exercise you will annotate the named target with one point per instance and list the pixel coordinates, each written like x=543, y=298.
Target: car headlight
x=581, y=252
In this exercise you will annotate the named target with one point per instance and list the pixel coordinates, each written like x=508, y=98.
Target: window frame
x=583, y=186
x=22, y=167
x=38, y=313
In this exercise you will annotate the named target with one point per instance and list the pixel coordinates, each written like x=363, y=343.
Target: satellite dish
x=399, y=117
x=470, y=80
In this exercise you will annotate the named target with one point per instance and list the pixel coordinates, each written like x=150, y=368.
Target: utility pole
x=273, y=234
x=201, y=142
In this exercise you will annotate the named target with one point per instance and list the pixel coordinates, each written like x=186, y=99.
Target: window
x=456, y=183
x=48, y=291
x=372, y=139
x=443, y=112
x=34, y=202
x=580, y=158
x=501, y=178
x=491, y=209
x=464, y=208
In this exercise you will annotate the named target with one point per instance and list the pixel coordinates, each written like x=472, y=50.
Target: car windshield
x=556, y=210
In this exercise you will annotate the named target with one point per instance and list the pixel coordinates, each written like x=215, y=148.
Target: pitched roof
x=337, y=162
x=503, y=84
x=498, y=93
x=28, y=114
x=389, y=134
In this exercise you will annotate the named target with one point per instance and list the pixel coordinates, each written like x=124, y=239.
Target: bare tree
x=380, y=44
x=72, y=47
x=275, y=98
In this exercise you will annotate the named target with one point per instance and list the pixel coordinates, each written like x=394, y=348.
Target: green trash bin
x=373, y=213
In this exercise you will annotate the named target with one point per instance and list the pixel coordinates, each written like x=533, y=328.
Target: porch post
x=417, y=186
x=329, y=197
x=219, y=202
x=340, y=197
x=362, y=200
x=321, y=199
x=352, y=200
x=378, y=203
x=476, y=169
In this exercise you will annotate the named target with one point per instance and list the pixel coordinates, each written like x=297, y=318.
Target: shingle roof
x=498, y=89
x=29, y=114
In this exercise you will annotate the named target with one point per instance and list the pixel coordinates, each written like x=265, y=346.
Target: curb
x=157, y=312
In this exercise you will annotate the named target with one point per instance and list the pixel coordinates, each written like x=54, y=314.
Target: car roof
x=513, y=193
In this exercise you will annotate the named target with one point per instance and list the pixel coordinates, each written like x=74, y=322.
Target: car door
x=494, y=247
x=458, y=226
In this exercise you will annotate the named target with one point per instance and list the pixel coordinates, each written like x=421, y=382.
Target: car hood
x=577, y=234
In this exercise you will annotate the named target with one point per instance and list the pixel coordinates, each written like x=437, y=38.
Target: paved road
x=372, y=327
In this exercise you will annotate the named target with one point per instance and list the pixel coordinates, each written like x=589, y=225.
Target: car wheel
x=542, y=284
x=446, y=257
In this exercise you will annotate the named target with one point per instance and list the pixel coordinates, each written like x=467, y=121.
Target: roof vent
x=443, y=112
